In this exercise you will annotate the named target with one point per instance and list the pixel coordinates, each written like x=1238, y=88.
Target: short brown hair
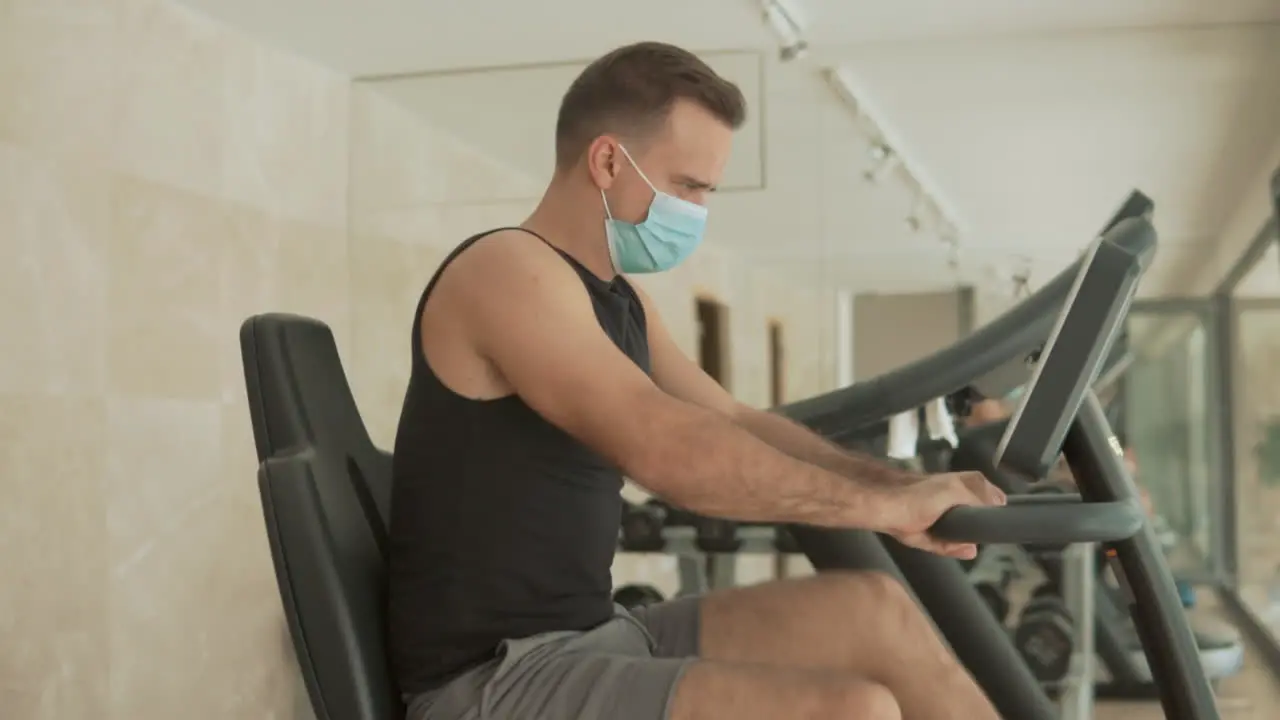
x=632, y=90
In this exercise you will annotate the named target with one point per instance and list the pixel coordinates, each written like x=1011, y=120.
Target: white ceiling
x=1030, y=120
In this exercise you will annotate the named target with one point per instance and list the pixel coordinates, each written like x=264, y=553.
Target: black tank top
x=502, y=525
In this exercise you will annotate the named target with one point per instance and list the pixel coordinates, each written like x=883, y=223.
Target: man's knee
x=875, y=592
x=869, y=587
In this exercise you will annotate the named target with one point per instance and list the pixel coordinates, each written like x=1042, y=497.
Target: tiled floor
x=1251, y=695
x=1254, y=694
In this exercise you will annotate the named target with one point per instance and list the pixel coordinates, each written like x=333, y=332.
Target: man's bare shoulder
x=508, y=252
x=503, y=264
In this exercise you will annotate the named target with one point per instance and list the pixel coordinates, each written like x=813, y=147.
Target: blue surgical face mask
x=669, y=233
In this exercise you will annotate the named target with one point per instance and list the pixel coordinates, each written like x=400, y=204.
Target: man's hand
x=924, y=501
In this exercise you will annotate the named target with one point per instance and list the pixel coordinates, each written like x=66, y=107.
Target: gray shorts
x=625, y=669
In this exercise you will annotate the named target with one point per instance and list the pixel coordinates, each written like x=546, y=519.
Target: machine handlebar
x=1042, y=519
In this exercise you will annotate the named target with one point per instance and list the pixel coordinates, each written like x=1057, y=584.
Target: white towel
x=940, y=423
x=904, y=435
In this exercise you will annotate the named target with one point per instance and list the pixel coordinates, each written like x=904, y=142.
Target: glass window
x=1263, y=281
x=1166, y=430
x=1256, y=381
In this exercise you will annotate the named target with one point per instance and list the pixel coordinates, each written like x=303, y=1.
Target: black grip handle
x=1045, y=499
x=1041, y=519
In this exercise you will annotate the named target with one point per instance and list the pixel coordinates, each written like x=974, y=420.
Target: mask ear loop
x=607, y=214
x=639, y=172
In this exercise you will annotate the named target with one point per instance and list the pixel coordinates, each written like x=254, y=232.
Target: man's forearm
x=799, y=442
x=702, y=461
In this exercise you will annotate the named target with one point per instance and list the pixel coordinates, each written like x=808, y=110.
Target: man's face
x=685, y=159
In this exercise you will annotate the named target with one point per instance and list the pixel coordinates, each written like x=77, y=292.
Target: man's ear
x=603, y=161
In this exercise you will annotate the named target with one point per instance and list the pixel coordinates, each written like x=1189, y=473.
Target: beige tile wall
x=161, y=178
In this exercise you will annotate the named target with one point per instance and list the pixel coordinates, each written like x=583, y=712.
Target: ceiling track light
x=787, y=28
x=953, y=256
x=885, y=153
x=882, y=163
x=913, y=222
x=923, y=211
x=947, y=234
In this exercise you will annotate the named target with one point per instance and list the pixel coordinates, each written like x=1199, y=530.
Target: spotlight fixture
x=879, y=151
x=787, y=28
x=953, y=256
x=882, y=163
x=915, y=219
x=795, y=51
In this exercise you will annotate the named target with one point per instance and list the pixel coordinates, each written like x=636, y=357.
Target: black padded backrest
x=332, y=577
x=299, y=395
x=326, y=495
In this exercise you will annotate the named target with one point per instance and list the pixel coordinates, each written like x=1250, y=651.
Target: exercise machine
x=1121, y=655
x=325, y=491
x=1063, y=352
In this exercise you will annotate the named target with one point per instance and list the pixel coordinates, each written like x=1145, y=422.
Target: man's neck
x=573, y=223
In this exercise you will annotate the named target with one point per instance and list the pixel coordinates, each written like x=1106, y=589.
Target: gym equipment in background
x=642, y=527
x=714, y=535
x=704, y=547
x=991, y=574
x=636, y=595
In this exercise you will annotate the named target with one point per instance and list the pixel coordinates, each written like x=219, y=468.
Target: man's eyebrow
x=695, y=183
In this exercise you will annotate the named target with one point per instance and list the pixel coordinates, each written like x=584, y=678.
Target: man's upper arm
x=677, y=373
x=527, y=312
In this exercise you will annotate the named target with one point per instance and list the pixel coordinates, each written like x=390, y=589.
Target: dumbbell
x=636, y=596
x=1046, y=589
x=992, y=574
x=1045, y=637
x=784, y=542
x=676, y=517
x=642, y=528
x=714, y=535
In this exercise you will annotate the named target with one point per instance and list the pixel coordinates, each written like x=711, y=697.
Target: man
x=541, y=376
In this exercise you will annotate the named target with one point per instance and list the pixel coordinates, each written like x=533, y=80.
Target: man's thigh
x=713, y=690
x=853, y=621
x=608, y=673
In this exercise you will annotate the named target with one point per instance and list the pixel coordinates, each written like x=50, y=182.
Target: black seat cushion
x=326, y=497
